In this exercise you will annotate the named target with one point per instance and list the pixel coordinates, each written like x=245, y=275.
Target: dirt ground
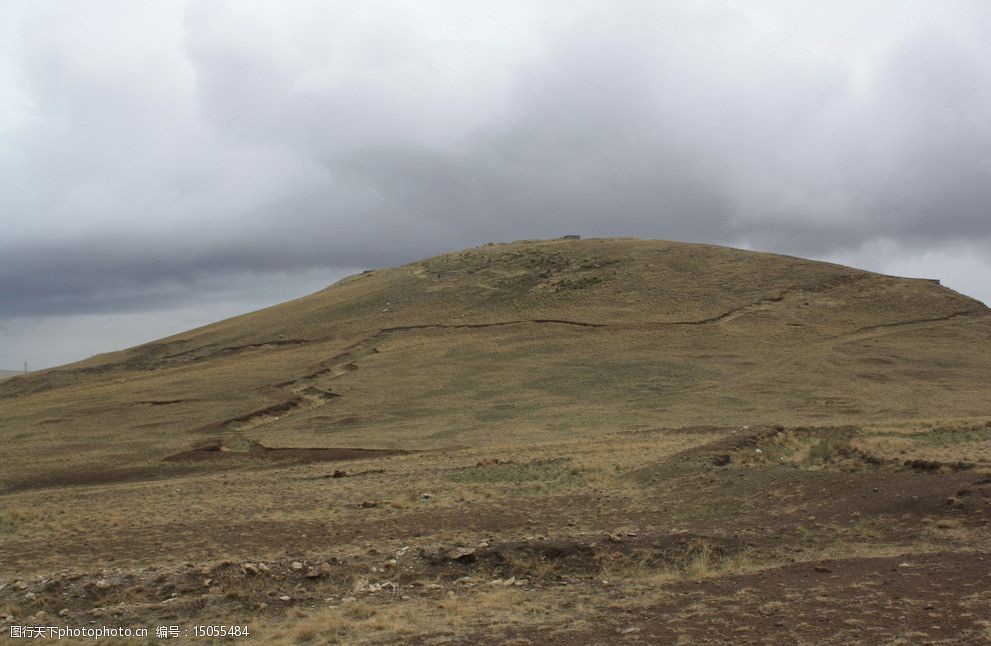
x=662, y=536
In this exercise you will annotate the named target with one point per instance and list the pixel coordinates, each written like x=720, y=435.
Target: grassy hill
x=591, y=382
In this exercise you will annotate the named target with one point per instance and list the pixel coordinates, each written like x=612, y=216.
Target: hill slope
x=654, y=413
x=494, y=342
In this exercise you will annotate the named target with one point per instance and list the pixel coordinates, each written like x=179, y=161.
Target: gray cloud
x=154, y=152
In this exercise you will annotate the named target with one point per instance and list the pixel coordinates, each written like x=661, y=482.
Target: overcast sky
x=166, y=164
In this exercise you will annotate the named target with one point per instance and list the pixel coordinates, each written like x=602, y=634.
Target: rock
x=339, y=474
x=510, y=581
x=103, y=584
x=483, y=545
x=360, y=585
x=628, y=631
x=30, y=596
x=368, y=504
x=462, y=554
x=348, y=599
x=495, y=582
x=286, y=598
x=64, y=612
x=822, y=569
x=264, y=568
x=320, y=571
x=262, y=605
x=615, y=538
x=249, y=568
x=391, y=563
x=207, y=583
x=20, y=585
x=426, y=496
x=296, y=566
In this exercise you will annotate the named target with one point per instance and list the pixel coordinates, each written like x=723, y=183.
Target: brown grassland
x=569, y=441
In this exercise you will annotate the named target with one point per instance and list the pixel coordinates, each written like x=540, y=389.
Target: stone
x=462, y=554
x=286, y=598
x=296, y=565
x=629, y=631
x=103, y=584
x=320, y=571
x=249, y=568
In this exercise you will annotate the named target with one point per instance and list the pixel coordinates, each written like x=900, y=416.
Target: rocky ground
x=697, y=535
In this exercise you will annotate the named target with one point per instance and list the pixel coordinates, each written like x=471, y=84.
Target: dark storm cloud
x=155, y=147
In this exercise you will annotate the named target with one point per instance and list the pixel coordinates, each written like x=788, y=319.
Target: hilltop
x=641, y=397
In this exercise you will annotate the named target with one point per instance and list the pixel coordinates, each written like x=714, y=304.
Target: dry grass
x=531, y=435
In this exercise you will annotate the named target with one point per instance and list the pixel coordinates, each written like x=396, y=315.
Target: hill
x=642, y=398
